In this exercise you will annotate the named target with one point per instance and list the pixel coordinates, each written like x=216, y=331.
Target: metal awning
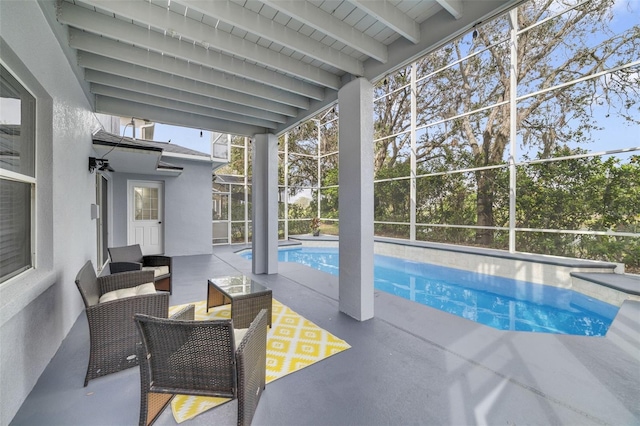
x=128, y=155
x=248, y=67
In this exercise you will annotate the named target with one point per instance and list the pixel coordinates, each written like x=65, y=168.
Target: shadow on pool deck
x=411, y=364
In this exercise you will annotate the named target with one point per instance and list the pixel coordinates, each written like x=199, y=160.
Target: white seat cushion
x=147, y=288
x=157, y=270
x=238, y=335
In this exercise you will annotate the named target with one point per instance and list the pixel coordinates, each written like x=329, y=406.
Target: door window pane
x=145, y=203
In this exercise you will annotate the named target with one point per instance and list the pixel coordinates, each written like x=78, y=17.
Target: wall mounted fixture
x=101, y=164
x=475, y=30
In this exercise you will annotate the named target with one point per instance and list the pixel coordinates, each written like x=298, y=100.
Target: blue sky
x=183, y=136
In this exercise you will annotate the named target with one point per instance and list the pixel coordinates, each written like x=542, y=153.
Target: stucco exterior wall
x=38, y=308
x=187, y=208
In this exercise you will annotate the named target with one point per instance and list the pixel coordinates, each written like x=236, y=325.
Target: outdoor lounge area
x=411, y=364
x=345, y=114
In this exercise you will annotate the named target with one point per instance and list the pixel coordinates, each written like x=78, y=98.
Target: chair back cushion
x=190, y=357
x=87, y=283
x=131, y=253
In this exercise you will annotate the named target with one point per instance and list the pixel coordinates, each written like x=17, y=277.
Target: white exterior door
x=145, y=215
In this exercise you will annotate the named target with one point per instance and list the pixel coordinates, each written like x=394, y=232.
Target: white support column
x=414, y=148
x=285, y=190
x=355, y=101
x=318, y=169
x=513, y=128
x=264, y=197
x=246, y=190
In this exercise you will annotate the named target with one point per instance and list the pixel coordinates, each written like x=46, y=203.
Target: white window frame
x=9, y=175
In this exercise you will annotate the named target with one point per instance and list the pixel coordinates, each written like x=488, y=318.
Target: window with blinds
x=17, y=176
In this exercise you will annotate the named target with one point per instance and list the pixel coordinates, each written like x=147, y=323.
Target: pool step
x=625, y=283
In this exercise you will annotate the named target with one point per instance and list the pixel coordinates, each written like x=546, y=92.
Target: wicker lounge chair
x=112, y=332
x=130, y=258
x=200, y=358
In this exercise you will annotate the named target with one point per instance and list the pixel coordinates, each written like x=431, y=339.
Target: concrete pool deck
x=411, y=364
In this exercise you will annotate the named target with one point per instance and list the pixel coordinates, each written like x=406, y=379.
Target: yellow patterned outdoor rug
x=293, y=342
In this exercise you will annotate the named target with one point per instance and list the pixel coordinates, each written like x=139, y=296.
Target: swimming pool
x=498, y=302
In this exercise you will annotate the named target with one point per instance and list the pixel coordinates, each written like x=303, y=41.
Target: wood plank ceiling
x=248, y=67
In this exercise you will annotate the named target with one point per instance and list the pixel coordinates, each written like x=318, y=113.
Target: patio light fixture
x=475, y=30
x=101, y=164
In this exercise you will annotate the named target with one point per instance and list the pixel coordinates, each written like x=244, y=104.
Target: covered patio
x=256, y=69
x=411, y=364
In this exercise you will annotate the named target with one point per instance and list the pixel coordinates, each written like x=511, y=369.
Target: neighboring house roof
x=106, y=138
x=128, y=149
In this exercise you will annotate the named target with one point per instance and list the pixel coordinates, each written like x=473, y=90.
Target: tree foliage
x=569, y=46
x=580, y=193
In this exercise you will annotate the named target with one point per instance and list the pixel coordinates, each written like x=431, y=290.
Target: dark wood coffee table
x=246, y=296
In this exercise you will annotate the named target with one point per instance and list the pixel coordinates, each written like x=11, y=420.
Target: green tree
x=580, y=42
x=391, y=197
x=585, y=193
x=557, y=195
x=330, y=191
x=329, y=164
x=621, y=199
x=236, y=165
x=303, y=161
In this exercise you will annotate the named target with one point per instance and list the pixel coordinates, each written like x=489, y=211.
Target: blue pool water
x=498, y=302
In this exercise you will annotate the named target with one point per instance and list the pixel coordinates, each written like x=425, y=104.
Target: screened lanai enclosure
x=505, y=124
x=520, y=135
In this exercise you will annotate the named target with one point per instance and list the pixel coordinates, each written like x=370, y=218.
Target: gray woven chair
x=112, y=332
x=200, y=358
x=130, y=258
